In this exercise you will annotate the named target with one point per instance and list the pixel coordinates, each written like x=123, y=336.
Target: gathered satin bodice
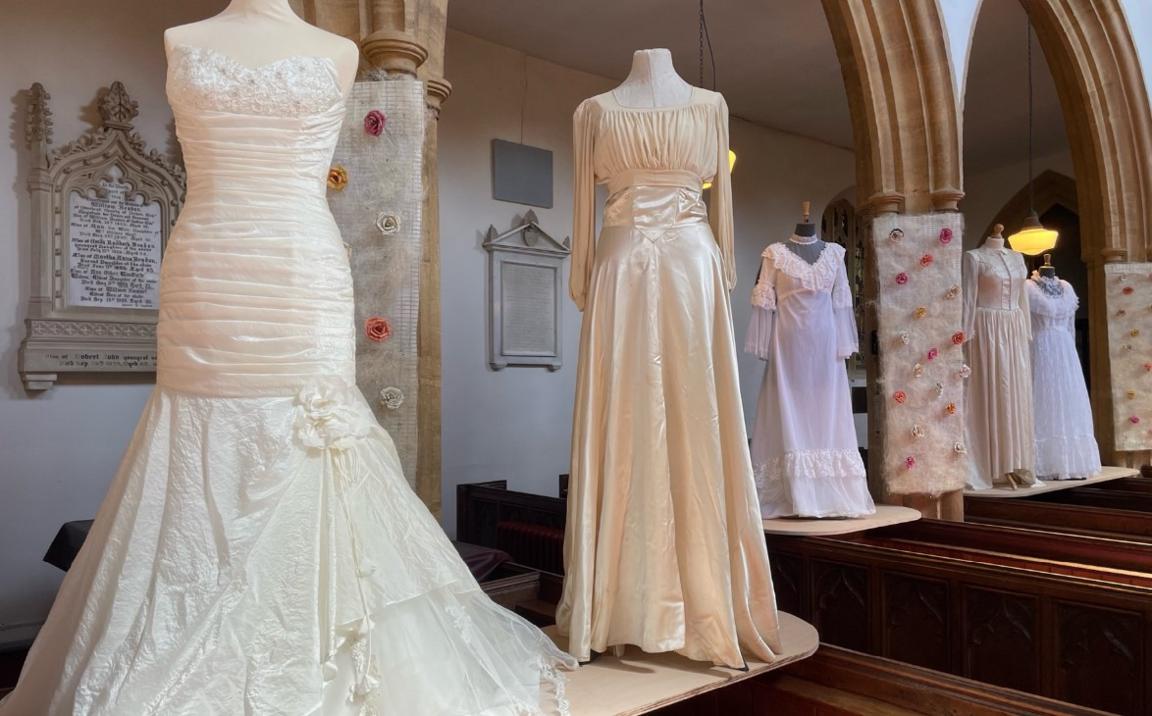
x=255, y=294
x=654, y=162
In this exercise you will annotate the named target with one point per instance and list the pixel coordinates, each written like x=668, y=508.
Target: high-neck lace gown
x=1066, y=446
x=664, y=547
x=259, y=551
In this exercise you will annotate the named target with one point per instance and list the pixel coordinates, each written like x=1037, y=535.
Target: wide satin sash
x=655, y=207
x=255, y=290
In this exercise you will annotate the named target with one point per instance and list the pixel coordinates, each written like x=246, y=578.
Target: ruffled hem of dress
x=814, y=483
x=1074, y=457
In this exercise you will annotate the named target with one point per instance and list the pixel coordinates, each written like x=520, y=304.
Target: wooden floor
x=638, y=683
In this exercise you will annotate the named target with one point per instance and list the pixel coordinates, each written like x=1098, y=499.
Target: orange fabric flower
x=900, y=396
x=337, y=178
x=378, y=329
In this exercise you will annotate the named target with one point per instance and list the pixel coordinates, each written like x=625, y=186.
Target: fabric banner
x=919, y=313
x=376, y=193
x=1128, y=296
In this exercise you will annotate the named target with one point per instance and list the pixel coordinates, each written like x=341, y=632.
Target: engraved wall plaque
x=524, y=308
x=102, y=209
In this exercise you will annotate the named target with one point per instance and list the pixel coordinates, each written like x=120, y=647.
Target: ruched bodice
x=650, y=158
x=255, y=294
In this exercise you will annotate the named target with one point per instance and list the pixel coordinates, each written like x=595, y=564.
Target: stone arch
x=1092, y=55
x=905, y=123
x=1049, y=188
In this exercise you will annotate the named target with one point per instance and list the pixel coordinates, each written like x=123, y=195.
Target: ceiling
x=775, y=61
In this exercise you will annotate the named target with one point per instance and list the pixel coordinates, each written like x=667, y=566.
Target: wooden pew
x=1063, y=616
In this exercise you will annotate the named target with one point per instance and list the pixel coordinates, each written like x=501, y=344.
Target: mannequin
x=652, y=82
x=804, y=242
x=996, y=335
x=256, y=33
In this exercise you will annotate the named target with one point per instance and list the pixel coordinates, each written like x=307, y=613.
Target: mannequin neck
x=653, y=82
x=268, y=8
x=994, y=242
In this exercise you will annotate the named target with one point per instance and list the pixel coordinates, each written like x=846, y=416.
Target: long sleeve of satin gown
x=971, y=285
x=760, y=325
x=583, y=203
x=720, y=208
x=847, y=338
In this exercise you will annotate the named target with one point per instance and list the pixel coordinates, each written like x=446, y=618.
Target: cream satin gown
x=664, y=546
x=1000, y=426
x=259, y=551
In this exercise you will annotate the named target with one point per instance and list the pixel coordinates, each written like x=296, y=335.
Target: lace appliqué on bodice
x=209, y=80
x=1044, y=304
x=818, y=276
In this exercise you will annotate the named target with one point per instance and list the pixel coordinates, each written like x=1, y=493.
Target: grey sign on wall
x=521, y=174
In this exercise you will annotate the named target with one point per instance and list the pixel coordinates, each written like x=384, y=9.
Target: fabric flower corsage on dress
x=325, y=418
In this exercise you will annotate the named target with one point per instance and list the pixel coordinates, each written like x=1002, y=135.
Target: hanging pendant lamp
x=1032, y=238
x=700, y=82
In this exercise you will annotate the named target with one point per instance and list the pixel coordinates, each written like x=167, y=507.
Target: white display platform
x=638, y=683
x=1107, y=474
x=886, y=515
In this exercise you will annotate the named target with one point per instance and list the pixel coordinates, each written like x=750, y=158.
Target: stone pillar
x=406, y=37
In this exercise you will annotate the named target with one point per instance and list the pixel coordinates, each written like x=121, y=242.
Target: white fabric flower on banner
x=326, y=419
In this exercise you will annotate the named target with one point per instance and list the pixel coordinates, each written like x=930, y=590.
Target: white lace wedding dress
x=259, y=551
x=1066, y=446
x=804, y=448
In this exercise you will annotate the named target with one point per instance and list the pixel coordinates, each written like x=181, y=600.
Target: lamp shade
x=731, y=166
x=1033, y=239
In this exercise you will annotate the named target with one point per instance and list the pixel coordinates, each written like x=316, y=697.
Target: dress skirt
x=664, y=546
x=999, y=407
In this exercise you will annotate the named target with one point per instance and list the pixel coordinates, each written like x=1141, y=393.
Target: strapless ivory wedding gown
x=259, y=551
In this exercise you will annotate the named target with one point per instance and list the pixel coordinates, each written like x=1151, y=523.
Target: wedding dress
x=664, y=547
x=804, y=449
x=1000, y=430
x=259, y=551
x=1066, y=446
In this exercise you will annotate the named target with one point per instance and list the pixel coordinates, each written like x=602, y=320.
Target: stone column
x=406, y=37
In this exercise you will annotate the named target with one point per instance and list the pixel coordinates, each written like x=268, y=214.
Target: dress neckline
x=668, y=108
x=259, y=67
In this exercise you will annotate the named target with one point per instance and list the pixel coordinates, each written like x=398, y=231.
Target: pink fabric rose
x=932, y=353
x=958, y=338
x=378, y=329
x=926, y=260
x=1135, y=419
x=900, y=396
x=901, y=278
x=374, y=123
x=909, y=462
x=945, y=236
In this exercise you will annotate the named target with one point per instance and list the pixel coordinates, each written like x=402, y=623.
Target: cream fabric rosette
x=327, y=417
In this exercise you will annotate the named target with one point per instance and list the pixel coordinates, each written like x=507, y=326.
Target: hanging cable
x=1031, y=176
x=705, y=38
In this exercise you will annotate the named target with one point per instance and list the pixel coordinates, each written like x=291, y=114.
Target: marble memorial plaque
x=529, y=303
x=115, y=240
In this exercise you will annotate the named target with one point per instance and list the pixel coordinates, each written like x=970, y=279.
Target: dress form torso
x=256, y=33
x=653, y=82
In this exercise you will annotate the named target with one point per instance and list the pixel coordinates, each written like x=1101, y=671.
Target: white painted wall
x=59, y=450
x=515, y=424
x=960, y=19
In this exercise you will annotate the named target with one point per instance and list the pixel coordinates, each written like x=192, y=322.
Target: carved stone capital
x=394, y=51
x=947, y=199
x=438, y=91
x=1114, y=256
x=883, y=203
